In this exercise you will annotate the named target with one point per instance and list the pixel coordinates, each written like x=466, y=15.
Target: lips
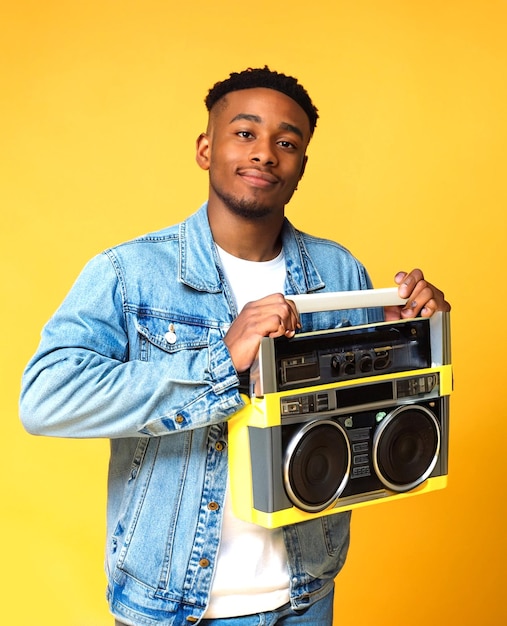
x=258, y=178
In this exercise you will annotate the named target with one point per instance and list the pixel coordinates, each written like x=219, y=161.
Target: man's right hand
x=272, y=316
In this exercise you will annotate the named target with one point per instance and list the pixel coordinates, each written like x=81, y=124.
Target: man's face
x=255, y=151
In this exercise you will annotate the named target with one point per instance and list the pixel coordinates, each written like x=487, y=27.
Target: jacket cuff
x=222, y=370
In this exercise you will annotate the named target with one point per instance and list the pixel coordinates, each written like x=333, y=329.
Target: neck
x=249, y=239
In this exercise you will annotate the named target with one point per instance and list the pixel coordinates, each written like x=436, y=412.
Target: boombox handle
x=315, y=302
x=262, y=375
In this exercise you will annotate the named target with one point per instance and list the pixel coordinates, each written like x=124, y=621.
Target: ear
x=202, y=154
x=303, y=167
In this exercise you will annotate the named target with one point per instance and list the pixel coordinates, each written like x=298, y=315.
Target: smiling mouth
x=257, y=178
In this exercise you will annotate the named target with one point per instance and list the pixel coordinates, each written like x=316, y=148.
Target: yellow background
x=100, y=105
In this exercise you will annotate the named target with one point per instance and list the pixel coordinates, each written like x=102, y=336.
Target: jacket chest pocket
x=160, y=336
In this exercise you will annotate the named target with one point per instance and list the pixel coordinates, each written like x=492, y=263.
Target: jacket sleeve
x=81, y=381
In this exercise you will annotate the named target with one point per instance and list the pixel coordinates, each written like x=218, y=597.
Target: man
x=147, y=350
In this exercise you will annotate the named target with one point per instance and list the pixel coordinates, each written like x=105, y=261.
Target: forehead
x=269, y=105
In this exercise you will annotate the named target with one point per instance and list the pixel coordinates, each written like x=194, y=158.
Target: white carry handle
x=361, y=299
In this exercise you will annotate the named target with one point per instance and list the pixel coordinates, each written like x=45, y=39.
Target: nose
x=263, y=152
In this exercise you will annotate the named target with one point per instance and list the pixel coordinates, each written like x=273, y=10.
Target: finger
x=281, y=331
x=295, y=322
x=425, y=300
x=288, y=318
x=421, y=296
x=417, y=309
x=407, y=282
x=392, y=313
x=398, y=279
x=284, y=328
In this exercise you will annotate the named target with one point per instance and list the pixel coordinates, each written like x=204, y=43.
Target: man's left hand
x=423, y=298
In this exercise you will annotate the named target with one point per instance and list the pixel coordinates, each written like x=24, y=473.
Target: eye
x=286, y=144
x=244, y=134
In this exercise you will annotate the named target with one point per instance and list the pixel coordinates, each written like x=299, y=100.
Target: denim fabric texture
x=317, y=614
x=135, y=354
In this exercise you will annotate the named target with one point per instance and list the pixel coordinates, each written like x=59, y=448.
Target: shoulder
x=164, y=239
x=146, y=251
x=328, y=246
x=337, y=266
x=168, y=234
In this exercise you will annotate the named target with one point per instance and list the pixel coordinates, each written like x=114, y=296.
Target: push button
x=170, y=335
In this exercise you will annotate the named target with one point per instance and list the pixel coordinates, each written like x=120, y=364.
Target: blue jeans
x=319, y=614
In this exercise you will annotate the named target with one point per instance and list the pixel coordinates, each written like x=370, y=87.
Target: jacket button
x=213, y=506
x=192, y=619
x=204, y=563
x=170, y=337
x=179, y=419
x=219, y=446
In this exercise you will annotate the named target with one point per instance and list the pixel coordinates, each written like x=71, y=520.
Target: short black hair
x=264, y=77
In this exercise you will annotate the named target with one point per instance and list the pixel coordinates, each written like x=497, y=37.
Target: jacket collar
x=199, y=260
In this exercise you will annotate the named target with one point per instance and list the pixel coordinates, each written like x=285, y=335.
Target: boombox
x=342, y=418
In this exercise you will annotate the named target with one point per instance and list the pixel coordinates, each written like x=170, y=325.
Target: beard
x=247, y=208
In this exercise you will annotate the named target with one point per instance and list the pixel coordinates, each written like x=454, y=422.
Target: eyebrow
x=258, y=120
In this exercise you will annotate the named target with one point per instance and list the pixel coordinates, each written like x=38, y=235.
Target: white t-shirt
x=251, y=574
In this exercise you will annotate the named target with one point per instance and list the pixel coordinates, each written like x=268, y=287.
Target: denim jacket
x=135, y=353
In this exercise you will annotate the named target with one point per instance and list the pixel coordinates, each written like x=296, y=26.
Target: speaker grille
x=406, y=447
x=317, y=465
